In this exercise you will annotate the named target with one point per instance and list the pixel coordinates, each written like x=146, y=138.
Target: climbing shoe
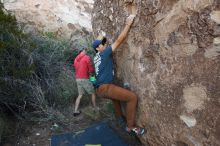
x=136, y=130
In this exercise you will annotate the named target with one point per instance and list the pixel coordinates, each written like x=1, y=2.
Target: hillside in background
x=65, y=18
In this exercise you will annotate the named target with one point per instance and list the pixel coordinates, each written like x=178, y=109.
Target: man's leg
x=77, y=104
x=90, y=90
x=117, y=107
x=117, y=93
x=121, y=119
x=94, y=100
x=80, y=92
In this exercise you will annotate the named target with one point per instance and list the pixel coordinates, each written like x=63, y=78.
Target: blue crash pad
x=100, y=133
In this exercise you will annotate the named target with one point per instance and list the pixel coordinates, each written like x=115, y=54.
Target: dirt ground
x=39, y=133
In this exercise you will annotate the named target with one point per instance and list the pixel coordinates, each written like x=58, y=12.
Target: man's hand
x=130, y=19
x=124, y=33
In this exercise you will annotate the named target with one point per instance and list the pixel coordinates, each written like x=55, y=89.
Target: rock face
x=63, y=17
x=171, y=59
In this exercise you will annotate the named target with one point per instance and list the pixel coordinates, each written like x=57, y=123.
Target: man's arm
x=124, y=33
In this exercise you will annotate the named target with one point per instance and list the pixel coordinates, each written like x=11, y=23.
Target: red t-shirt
x=83, y=66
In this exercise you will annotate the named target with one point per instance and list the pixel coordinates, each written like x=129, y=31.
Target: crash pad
x=97, y=134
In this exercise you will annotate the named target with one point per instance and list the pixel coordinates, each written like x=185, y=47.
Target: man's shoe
x=76, y=113
x=136, y=130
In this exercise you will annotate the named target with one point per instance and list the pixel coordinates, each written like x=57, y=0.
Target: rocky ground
x=39, y=133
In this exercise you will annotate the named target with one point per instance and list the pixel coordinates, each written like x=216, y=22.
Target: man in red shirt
x=83, y=68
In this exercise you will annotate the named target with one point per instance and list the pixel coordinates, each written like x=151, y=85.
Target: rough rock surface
x=171, y=59
x=65, y=18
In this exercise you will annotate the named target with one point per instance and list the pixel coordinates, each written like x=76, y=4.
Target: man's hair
x=96, y=43
x=104, y=40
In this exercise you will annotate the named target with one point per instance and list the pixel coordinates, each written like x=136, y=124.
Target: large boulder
x=171, y=60
x=64, y=18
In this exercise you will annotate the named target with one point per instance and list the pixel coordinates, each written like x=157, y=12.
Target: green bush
x=16, y=64
x=36, y=72
x=53, y=60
